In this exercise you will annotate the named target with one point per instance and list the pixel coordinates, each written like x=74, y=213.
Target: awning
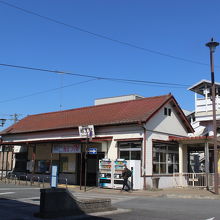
x=24, y=142
x=99, y=139
x=173, y=138
x=128, y=139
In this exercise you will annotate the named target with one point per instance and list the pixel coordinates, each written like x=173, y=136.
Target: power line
x=103, y=36
x=14, y=118
x=93, y=77
x=45, y=91
x=54, y=89
x=137, y=82
x=164, y=86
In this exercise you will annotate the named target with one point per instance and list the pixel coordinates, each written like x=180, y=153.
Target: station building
x=129, y=127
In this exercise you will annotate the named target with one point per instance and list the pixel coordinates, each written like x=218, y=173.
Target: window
x=165, y=158
x=167, y=111
x=130, y=150
x=64, y=164
x=67, y=163
x=42, y=166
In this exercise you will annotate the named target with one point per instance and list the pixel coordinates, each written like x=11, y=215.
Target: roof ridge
x=96, y=106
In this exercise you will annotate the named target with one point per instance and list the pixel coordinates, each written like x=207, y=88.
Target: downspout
x=3, y=157
x=145, y=138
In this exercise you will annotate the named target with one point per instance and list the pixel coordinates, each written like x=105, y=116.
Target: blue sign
x=54, y=179
x=92, y=150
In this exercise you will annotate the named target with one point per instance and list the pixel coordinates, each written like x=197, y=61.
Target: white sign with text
x=87, y=131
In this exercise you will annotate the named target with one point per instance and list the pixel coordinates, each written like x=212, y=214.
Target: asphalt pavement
x=20, y=202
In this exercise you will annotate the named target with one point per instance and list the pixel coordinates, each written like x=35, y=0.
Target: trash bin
x=155, y=182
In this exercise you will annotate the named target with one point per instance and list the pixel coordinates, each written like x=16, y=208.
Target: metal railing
x=200, y=180
x=23, y=178
x=32, y=180
x=63, y=181
x=47, y=179
x=10, y=178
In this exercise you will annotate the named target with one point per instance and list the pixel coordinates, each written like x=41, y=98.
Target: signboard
x=86, y=131
x=92, y=150
x=53, y=182
x=8, y=148
x=19, y=149
x=66, y=148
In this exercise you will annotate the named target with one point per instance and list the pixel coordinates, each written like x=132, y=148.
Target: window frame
x=130, y=149
x=167, y=111
x=174, y=155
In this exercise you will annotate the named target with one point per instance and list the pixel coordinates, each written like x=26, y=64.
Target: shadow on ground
x=17, y=210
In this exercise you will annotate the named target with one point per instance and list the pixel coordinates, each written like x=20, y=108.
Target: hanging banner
x=66, y=148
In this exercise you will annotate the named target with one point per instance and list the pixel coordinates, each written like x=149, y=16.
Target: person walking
x=126, y=173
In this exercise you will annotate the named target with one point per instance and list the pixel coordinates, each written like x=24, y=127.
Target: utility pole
x=15, y=117
x=86, y=149
x=212, y=45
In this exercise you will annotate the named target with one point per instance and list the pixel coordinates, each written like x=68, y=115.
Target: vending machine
x=118, y=168
x=105, y=173
x=110, y=173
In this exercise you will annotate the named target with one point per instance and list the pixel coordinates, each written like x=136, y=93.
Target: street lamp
x=212, y=45
x=2, y=121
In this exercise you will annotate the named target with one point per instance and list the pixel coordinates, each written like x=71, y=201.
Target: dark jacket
x=125, y=173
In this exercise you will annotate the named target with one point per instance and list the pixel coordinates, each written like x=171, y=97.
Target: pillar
x=182, y=158
x=207, y=164
x=207, y=157
x=33, y=159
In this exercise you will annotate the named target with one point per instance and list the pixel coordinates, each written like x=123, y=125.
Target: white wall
x=120, y=132
x=164, y=182
x=171, y=125
x=160, y=127
x=48, y=135
x=149, y=148
x=117, y=99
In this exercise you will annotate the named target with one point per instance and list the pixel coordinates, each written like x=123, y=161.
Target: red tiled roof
x=107, y=114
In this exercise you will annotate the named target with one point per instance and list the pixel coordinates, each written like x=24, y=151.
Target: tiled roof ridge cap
x=96, y=106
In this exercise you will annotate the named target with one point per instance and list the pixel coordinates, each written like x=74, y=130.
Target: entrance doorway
x=92, y=168
x=196, y=159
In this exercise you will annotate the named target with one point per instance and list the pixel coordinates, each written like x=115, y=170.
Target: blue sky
x=176, y=28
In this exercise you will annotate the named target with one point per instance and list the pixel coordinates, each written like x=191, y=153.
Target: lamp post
x=2, y=121
x=212, y=45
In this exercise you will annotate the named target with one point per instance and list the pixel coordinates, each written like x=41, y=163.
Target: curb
x=156, y=195
x=191, y=196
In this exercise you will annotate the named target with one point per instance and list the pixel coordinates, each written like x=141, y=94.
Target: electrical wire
x=103, y=36
x=45, y=91
x=144, y=84
x=92, y=76
x=54, y=89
